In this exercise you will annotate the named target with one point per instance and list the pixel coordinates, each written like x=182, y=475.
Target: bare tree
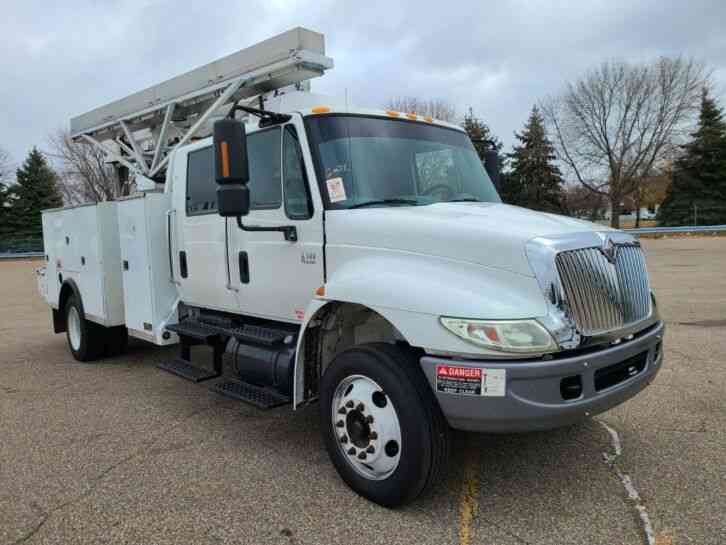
x=437, y=108
x=84, y=176
x=621, y=120
x=580, y=202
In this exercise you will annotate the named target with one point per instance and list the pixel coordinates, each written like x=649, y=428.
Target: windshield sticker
x=336, y=189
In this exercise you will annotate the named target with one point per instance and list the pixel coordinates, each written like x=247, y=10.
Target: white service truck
x=358, y=258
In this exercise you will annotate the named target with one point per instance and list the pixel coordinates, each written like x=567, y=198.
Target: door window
x=263, y=152
x=297, y=197
x=201, y=186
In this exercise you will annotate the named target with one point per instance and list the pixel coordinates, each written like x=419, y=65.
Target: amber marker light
x=392, y=113
x=412, y=115
x=321, y=110
x=224, y=147
x=320, y=291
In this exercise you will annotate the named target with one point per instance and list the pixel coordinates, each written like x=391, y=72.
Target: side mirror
x=491, y=164
x=231, y=168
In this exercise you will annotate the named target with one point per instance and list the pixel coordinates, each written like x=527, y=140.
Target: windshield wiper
x=384, y=201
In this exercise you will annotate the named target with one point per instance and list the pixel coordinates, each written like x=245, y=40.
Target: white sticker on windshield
x=336, y=189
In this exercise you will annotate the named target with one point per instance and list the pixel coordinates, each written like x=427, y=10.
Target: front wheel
x=382, y=426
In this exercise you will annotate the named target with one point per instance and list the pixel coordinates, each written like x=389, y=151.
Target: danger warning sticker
x=476, y=381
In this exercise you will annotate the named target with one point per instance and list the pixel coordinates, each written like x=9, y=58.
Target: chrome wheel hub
x=366, y=425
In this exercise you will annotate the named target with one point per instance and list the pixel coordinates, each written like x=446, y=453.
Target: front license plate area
x=471, y=381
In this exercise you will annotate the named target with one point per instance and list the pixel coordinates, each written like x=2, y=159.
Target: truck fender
x=68, y=289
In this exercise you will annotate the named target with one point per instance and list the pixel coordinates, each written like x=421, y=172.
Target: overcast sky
x=60, y=59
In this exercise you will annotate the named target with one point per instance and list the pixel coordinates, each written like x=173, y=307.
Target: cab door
x=198, y=244
x=274, y=277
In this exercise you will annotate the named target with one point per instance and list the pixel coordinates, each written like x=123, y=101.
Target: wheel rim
x=366, y=427
x=74, y=328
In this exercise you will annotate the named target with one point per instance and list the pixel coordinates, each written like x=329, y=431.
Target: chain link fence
x=21, y=247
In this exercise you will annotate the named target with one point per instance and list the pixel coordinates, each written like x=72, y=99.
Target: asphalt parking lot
x=122, y=452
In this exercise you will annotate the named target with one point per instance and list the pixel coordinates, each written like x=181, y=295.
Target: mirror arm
x=289, y=231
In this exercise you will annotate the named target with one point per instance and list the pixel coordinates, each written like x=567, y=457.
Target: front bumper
x=533, y=398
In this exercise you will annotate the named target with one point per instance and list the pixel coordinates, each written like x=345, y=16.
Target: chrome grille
x=602, y=296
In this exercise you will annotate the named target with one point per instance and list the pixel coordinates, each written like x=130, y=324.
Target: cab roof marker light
x=412, y=115
x=428, y=119
x=392, y=113
x=321, y=110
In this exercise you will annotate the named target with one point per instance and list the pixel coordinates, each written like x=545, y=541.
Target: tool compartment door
x=135, y=265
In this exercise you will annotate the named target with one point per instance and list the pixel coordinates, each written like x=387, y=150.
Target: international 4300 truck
x=361, y=259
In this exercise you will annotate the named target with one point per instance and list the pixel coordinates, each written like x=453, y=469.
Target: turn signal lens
x=320, y=291
x=519, y=336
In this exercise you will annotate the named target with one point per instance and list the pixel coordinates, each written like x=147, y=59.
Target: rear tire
x=86, y=340
x=394, y=419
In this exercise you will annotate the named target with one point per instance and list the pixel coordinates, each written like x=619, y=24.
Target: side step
x=261, y=398
x=193, y=333
x=186, y=370
x=195, y=330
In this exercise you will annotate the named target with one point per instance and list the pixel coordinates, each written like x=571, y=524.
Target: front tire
x=86, y=340
x=382, y=426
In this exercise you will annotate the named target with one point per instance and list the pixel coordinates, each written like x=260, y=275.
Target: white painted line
x=633, y=495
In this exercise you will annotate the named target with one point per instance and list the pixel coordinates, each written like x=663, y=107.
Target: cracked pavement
x=122, y=452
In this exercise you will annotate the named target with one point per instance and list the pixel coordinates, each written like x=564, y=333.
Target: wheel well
x=335, y=328
x=59, y=316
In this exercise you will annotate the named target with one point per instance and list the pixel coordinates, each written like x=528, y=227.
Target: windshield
x=372, y=161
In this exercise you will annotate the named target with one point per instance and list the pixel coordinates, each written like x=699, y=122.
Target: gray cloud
x=498, y=58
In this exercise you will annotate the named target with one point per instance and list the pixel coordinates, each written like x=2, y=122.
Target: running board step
x=188, y=371
x=262, y=398
x=210, y=332
x=255, y=334
x=196, y=330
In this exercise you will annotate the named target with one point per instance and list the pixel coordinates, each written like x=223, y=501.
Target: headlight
x=521, y=336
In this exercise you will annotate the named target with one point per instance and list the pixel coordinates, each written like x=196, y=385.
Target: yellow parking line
x=469, y=502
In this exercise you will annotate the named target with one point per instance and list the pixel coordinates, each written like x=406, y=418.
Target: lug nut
x=350, y=404
x=369, y=419
x=362, y=456
x=344, y=439
x=351, y=451
x=342, y=410
x=361, y=407
x=373, y=436
x=340, y=423
x=370, y=450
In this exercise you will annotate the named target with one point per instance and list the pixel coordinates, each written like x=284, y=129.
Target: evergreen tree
x=698, y=191
x=534, y=181
x=480, y=133
x=35, y=190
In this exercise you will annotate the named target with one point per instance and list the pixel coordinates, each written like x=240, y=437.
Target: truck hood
x=490, y=234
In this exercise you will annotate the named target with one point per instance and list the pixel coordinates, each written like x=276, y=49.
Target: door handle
x=183, y=263
x=244, y=268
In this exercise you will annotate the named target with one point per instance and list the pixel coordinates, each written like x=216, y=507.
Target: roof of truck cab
x=309, y=104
